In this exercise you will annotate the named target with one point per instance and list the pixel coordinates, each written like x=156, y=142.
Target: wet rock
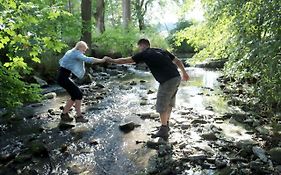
x=198, y=121
x=79, y=130
x=127, y=127
x=35, y=105
x=7, y=157
x=153, y=144
x=66, y=125
x=185, y=126
x=184, y=112
x=262, y=130
x=238, y=159
x=94, y=142
x=275, y=154
x=99, y=97
x=78, y=169
x=209, y=136
x=245, y=144
x=209, y=108
x=226, y=171
x=38, y=149
x=133, y=83
x=167, y=171
x=99, y=86
x=150, y=91
x=240, y=117
x=23, y=157
x=149, y=115
x=220, y=164
x=260, y=153
x=40, y=81
x=87, y=79
x=63, y=148
x=164, y=150
x=196, y=157
x=51, y=111
x=143, y=102
x=278, y=168
x=258, y=167
x=50, y=95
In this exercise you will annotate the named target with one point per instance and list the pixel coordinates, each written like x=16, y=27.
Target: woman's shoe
x=65, y=117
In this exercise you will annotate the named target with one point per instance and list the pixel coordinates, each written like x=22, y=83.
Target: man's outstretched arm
x=178, y=62
x=127, y=60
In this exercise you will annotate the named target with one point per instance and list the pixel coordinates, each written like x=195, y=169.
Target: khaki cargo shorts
x=166, y=95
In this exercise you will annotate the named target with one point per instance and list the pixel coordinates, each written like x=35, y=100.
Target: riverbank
x=208, y=135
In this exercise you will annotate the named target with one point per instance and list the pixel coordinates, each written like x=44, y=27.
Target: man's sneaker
x=163, y=132
x=66, y=117
x=81, y=119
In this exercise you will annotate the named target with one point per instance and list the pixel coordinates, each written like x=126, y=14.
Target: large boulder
x=275, y=154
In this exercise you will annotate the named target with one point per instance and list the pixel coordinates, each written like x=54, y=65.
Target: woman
x=73, y=63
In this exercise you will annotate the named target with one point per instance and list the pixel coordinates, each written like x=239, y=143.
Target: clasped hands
x=108, y=59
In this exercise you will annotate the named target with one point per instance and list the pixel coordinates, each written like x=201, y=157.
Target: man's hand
x=185, y=77
x=108, y=59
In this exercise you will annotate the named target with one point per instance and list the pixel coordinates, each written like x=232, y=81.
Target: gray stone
x=127, y=127
x=66, y=125
x=196, y=157
x=209, y=136
x=50, y=95
x=198, y=121
x=260, y=153
x=275, y=154
x=41, y=82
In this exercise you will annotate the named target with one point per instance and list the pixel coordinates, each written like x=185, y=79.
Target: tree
x=86, y=14
x=126, y=15
x=99, y=16
x=140, y=8
x=247, y=33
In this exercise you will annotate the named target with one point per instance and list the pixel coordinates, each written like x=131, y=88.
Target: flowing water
x=115, y=151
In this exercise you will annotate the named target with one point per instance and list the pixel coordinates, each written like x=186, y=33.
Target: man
x=163, y=66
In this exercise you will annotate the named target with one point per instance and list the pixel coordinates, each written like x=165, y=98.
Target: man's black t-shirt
x=160, y=63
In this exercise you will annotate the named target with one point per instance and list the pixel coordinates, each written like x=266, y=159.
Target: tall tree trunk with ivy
x=99, y=16
x=126, y=15
x=86, y=14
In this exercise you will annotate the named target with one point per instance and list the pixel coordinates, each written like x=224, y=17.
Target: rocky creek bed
x=209, y=133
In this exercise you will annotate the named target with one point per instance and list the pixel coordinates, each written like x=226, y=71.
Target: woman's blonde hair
x=81, y=44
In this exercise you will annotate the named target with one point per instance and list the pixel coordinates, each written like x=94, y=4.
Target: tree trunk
x=99, y=16
x=126, y=15
x=86, y=13
x=69, y=6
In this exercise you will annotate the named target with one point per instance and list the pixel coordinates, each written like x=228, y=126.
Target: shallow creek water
x=117, y=152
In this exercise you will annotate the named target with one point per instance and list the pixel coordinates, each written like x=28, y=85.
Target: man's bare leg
x=169, y=111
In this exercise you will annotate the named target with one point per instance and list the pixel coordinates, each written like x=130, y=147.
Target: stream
x=99, y=147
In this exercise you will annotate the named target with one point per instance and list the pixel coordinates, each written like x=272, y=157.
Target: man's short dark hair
x=144, y=41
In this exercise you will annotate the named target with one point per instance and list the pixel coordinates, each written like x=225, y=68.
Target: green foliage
x=120, y=40
x=248, y=34
x=15, y=92
x=27, y=31
x=180, y=46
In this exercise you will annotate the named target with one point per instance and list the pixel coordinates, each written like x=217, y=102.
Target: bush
x=122, y=41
